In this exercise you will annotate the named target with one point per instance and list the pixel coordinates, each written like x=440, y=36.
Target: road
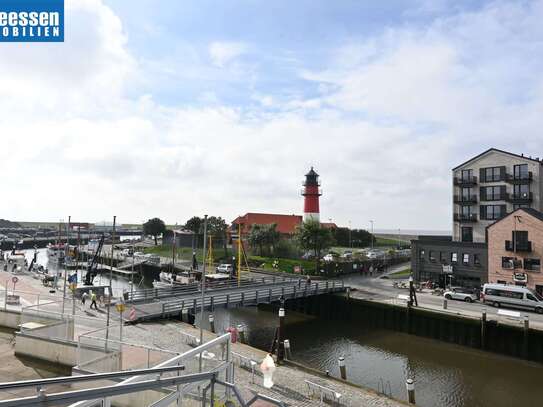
x=380, y=289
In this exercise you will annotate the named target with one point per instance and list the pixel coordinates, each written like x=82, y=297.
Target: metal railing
x=177, y=290
x=253, y=296
x=324, y=394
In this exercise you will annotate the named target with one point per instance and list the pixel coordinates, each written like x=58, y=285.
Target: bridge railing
x=178, y=290
x=253, y=296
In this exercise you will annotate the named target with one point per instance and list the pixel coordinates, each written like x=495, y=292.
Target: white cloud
x=392, y=115
x=223, y=52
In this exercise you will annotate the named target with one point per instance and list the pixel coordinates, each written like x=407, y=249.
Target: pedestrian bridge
x=173, y=301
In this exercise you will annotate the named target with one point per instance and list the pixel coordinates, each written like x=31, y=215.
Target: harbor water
x=445, y=375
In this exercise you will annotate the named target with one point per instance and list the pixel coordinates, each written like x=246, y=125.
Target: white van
x=513, y=296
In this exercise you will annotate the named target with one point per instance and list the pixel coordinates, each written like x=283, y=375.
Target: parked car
x=459, y=293
x=225, y=268
x=512, y=296
x=347, y=254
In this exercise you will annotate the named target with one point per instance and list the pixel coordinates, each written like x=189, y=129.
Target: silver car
x=459, y=293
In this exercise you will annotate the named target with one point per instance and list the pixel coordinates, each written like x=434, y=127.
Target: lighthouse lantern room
x=311, y=193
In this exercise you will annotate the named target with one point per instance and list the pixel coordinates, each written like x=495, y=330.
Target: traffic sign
x=120, y=307
x=14, y=279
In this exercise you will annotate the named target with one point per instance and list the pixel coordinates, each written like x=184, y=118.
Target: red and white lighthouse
x=311, y=195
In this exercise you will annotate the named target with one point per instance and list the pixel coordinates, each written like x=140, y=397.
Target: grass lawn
x=400, y=274
x=285, y=265
x=185, y=253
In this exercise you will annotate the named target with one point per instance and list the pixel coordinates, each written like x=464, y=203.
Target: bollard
x=410, y=384
x=288, y=355
x=280, y=334
x=241, y=332
x=444, y=303
x=212, y=322
x=342, y=368
x=526, y=336
x=483, y=329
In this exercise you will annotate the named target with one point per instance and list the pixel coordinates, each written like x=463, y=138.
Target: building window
x=520, y=238
x=467, y=194
x=465, y=258
x=492, y=212
x=476, y=260
x=467, y=234
x=454, y=257
x=466, y=175
x=492, y=174
x=510, y=263
x=521, y=171
x=466, y=211
x=431, y=255
x=521, y=191
x=518, y=206
x=492, y=193
x=532, y=264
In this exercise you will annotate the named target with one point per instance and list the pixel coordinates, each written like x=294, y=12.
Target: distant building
x=485, y=188
x=286, y=224
x=515, y=249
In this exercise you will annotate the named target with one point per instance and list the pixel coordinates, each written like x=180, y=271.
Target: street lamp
x=350, y=236
x=371, y=234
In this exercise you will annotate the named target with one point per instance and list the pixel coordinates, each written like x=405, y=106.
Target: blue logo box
x=31, y=20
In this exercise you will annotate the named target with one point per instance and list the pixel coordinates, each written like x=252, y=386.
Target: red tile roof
x=286, y=224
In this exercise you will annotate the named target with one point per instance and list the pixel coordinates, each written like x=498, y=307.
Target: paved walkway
x=290, y=385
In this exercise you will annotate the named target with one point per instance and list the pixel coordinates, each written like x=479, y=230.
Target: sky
x=175, y=109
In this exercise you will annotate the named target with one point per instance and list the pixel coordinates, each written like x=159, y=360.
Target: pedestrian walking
x=93, y=301
x=84, y=297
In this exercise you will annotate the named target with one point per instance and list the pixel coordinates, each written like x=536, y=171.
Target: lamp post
x=371, y=234
x=203, y=281
x=350, y=236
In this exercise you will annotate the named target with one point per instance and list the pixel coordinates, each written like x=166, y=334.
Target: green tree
x=312, y=236
x=271, y=236
x=196, y=226
x=217, y=227
x=154, y=227
x=257, y=237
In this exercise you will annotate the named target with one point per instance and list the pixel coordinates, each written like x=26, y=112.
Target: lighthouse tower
x=311, y=195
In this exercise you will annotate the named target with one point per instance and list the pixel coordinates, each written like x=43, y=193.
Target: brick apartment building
x=515, y=249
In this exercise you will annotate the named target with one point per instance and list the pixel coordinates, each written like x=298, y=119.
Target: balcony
x=519, y=198
x=520, y=247
x=492, y=198
x=465, y=181
x=519, y=179
x=465, y=200
x=465, y=217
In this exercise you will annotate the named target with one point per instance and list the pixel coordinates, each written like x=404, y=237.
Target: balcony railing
x=520, y=246
x=519, y=179
x=465, y=200
x=494, y=197
x=465, y=181
x=520, y=198
x=463, y=217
